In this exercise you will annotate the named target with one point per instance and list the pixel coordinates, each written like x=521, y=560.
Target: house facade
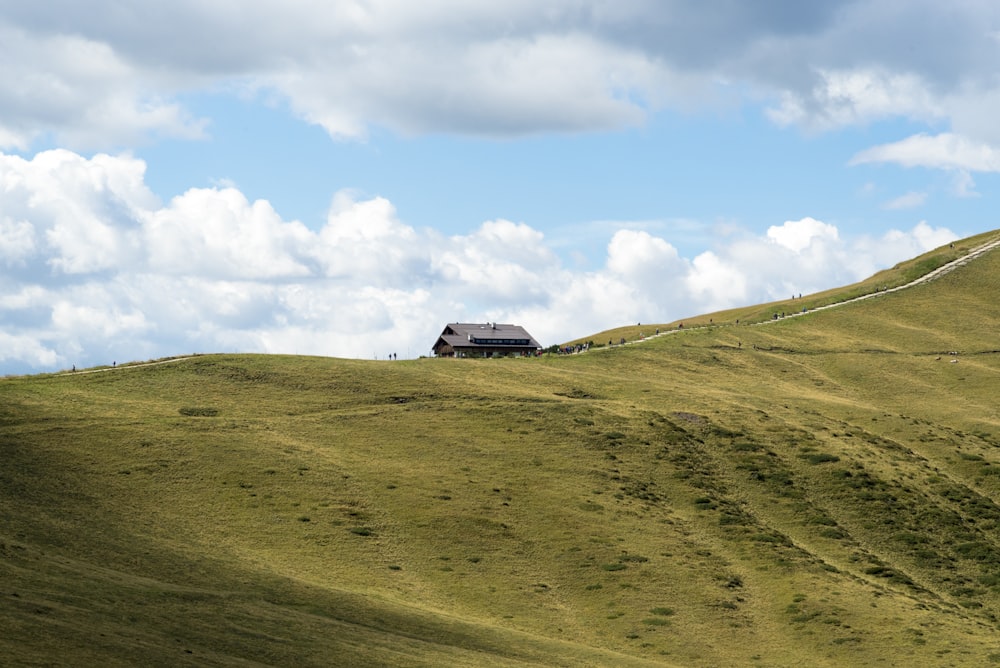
x=491, y=339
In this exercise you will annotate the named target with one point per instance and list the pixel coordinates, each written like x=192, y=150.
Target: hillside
x=814, y=491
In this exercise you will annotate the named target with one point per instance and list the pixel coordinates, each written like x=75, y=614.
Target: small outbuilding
x=491, y=339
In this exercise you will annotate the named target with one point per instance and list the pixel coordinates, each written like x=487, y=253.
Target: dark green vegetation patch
x=198, y=411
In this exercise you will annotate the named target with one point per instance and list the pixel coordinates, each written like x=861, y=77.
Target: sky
x=345, y=177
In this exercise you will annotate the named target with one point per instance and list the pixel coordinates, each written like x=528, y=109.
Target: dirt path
x=105, y=369
x=930, y=276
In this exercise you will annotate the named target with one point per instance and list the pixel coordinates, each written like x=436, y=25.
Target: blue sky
x=678, y=173
x=344, y=178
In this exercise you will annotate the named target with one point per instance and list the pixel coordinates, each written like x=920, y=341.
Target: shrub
x=198, y=411
x=745, y=446
x=361, y=531
x=705, y=503
x=909, y=537
x=822, y=520
x=990, y=579
x=978, y=551
x=820, y=458
x=638, y=558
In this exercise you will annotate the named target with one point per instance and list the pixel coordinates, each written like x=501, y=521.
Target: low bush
x=198, y=411
x=820, y=458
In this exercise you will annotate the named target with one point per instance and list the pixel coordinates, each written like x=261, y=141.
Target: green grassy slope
x=901, y=274
x=816, y=491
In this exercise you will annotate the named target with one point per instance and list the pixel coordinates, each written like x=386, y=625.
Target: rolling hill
x=822, y=490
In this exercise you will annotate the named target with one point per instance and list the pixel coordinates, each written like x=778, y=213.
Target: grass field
x=816, y=491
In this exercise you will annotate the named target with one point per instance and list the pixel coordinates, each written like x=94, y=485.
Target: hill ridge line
x=926, y=278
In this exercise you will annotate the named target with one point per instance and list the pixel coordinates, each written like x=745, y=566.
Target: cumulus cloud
x=857, y=97
x=93, y=268
x=797, y=235
x=218, y=232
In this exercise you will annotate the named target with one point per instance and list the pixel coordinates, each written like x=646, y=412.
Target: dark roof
x=464, y=335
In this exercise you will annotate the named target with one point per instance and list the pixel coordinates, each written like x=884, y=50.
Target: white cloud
x=797, y=235
x=942, y=151
x=857, y=97
x=910, y=200
x=219, y=233
x=211, y=271
x=924, y=238
x=963, y=185
x=494, y=85
x=640, y=257
x=501, y=262
x=17, y=241
x=24, y=349
x=93, y=74
x=716, y=284
x=81, y=90
x=92, y=310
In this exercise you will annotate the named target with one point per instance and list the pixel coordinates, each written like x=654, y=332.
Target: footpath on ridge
x=929, y=276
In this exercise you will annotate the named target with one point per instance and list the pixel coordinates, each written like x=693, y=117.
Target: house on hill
x=491, y=339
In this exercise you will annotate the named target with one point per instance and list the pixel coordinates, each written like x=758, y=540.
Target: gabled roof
x=464, y=335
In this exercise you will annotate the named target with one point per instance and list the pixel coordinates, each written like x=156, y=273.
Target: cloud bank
x=100, y=74
x=94, y=269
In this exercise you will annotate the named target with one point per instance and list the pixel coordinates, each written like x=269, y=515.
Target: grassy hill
x=820, y=490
